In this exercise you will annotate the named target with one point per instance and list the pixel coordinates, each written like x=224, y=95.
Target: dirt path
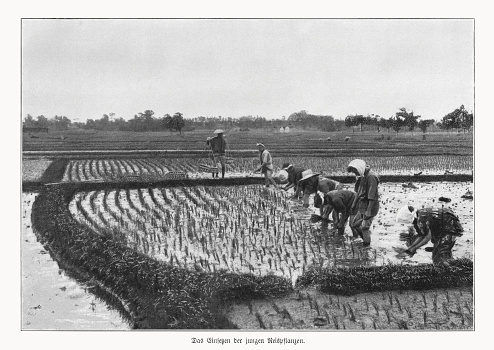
x=50, y=299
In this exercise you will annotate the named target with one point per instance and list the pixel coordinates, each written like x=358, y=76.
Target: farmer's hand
x=306, y=205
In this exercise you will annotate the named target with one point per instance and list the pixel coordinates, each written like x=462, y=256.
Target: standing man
x=218, y=146
x=311, y=183
x=366, y=203
x=441, y=226
x=266, y=166
x=340, y=202
x=294, y=176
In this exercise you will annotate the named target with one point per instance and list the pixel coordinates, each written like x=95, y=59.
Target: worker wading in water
x=440, y=226
x=340, y=202
x=266, y=166
x=366, y=204
x=218, y=146
x=312, y=183
x=294, y=176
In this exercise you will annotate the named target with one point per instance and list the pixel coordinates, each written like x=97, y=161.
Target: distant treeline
x=147, y=121
x=460, y=118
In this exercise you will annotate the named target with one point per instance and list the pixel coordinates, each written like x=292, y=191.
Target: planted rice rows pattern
x=241, y=229
x=427, y=165
x=157, y=168
x=248, y=229
x=116, y=169
x=426, y=310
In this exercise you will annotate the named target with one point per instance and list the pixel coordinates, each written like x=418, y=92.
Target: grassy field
x=298, y=142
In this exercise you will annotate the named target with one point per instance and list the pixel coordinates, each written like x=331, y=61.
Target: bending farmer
x=441, y=226
x=340, y=203
x=294, y=176
x=311, y=183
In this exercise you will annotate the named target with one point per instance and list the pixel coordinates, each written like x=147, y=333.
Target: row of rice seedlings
x=387, y=165
x=155, y=169
x=97, y=169
x=355, y=314
x=69, y=171
x=160, y=165
x=230, y=230
x=152, y=291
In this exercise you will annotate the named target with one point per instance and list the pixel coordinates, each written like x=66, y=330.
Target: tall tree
x=166, y=122
x=451, y=120
x=61, y=122
x=396, y=123
x=178, y=122
x=29, y=121
x=408, y=118
x=42, y=121
x=424, y=124
x=459, y=118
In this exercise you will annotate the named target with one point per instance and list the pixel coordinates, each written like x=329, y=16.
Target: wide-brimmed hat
x=307, y=174
x=219, y=131
x=260, y=144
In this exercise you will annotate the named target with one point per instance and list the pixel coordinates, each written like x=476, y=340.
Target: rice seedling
x=398, y=304
x=260, y=320
x=351, y=313
x=335, y=322
x=376, y=307
x=388, y=315
x=390, y=298
x=327, y=316
x=275, y=307
x=434, y=302
x=317, y=308
x=446, y=310
x=286, y=314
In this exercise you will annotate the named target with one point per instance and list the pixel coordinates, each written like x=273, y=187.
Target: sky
x=83, y=68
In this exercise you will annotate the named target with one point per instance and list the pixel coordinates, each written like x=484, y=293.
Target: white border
x=258, y=9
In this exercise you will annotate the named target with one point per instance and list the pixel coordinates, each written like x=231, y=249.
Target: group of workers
x=357, y=207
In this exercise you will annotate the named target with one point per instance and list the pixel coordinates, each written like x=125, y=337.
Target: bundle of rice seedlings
x=353, y=280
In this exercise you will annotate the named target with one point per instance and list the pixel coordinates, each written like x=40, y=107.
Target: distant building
x=287, y=129
x=32, y=129
x=282, y=129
